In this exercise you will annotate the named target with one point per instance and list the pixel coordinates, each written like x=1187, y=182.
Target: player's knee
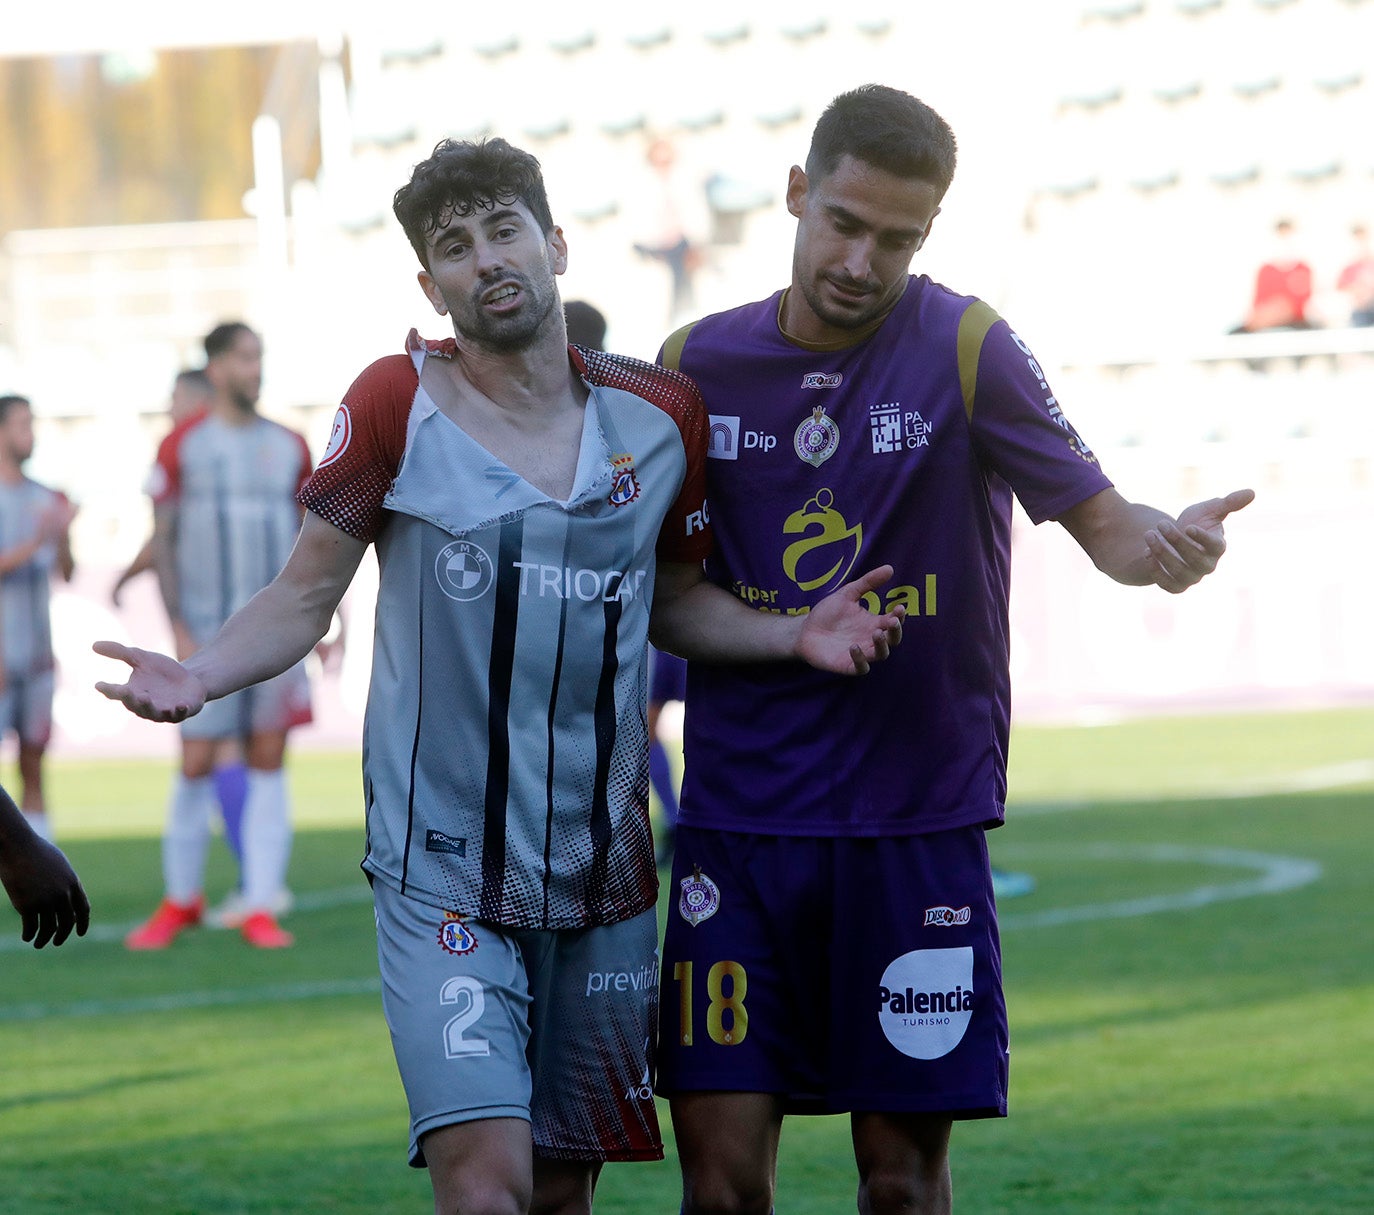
x=718, y=1194
x=923, y=1189
x=471, y=1194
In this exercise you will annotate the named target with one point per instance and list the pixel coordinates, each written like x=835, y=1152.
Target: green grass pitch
x=1190, y=987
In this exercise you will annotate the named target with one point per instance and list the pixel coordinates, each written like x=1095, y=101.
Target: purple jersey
x=903, y=448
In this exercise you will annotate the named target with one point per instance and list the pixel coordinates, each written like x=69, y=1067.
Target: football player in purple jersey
x=832, y=941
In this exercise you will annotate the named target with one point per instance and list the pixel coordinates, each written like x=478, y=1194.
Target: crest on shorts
x=455, y=936
x=817, y=438
x=624, y=483
x=700, y=897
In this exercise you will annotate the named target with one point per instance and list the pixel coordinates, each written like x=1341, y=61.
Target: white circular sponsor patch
x=464, y=571
x=338, y=437
x=925, y=1001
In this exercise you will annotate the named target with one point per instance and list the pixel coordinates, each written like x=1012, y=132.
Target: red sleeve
x=164, y=481
x=365, y=448
x=685, y=535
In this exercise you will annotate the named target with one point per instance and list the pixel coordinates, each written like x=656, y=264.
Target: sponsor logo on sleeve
x=947, y=917
x=1076, y=444
x=925, y=1001
x=339, y=437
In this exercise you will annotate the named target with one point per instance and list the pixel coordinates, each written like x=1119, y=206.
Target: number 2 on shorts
x=456, y=1046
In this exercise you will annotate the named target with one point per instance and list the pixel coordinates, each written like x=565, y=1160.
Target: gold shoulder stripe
x=973, y=328
x=672, y=348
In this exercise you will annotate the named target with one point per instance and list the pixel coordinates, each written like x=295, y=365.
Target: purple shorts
x=840, y=974
x=667, y=677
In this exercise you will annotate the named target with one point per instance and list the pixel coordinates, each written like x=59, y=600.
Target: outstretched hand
x=840, y=635
x=45, y=891
x=159, y=688
x=1186, y=551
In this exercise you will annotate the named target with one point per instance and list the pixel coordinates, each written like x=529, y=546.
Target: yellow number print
x=721, y=1003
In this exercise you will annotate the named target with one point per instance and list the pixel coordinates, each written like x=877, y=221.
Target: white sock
x=38, y=820
x=187, y=838
x=266, y=839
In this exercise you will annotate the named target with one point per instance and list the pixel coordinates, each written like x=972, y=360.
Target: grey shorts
x=26, y=707
x=554, y=1027
x=272, y=707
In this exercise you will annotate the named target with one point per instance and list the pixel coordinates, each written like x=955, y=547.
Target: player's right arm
x=273, y=631
x=39, y=881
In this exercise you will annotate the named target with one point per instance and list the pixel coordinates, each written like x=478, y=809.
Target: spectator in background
x=586, y=325
x=666, y=234
x=34, y=544
x=39, y=881
x=1283, y=287
x=192, y=396
x=1356, y=281
x=225, y=520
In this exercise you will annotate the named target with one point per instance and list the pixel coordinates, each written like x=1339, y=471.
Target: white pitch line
x=1273, y=875
x=315, y=900
x=1304, y=780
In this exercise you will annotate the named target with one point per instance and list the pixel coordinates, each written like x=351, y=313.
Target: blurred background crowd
x=1169, y=199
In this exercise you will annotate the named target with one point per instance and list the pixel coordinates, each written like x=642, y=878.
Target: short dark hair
x=195, y=377
x=887, y=129
x=586, y=325
x=223, y=336
x=9, y=401
x=461, y=177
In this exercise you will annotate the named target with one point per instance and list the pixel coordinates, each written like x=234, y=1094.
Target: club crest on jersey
x=455, y=936
x=339, y=437
x=817, y=438
x=700, y=898
x=624, y=483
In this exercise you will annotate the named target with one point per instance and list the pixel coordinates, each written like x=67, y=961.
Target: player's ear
x=797, y=186
x=432, y=292
x=925, y=236
x=558, y=247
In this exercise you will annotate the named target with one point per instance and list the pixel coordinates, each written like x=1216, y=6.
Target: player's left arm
x=698, y=620
x=1142, y=546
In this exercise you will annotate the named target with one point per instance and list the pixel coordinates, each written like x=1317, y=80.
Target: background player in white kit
x=530, y=503
x=225, y=518
x=34, y=545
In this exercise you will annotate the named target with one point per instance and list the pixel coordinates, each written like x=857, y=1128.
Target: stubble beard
x=511, y=334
